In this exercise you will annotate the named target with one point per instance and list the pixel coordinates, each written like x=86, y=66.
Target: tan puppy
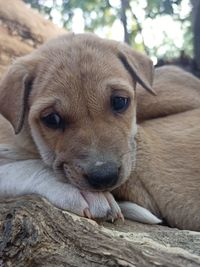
x=73, y=105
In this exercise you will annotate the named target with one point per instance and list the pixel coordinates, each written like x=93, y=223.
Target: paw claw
x=110, y=216
x=109, y=213
x=120, y=216
x=87, y=213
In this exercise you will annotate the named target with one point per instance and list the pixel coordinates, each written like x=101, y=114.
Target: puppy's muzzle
x=102, y=176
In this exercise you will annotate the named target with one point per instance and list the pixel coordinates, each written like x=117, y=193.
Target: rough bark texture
x=34, y=233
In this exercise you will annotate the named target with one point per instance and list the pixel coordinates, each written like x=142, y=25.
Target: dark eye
x=53, y=121
x=119, y=103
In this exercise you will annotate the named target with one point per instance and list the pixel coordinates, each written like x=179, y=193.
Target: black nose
x=103, y=176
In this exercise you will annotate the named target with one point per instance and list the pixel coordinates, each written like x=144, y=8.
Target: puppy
x=72, y=105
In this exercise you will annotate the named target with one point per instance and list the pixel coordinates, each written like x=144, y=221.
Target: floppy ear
x=138, y=65
x=14, y=91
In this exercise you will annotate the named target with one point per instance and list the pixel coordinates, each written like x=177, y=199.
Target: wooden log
x=35, y=233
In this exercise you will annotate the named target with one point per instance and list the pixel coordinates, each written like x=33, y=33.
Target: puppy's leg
x=137, y=213
x=32, y=177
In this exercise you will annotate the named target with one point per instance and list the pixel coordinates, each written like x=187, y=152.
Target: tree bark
x=124, y=7
x=35, y=233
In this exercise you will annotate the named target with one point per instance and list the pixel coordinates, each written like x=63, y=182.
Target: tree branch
x=124, y=7
x=139, y=28
x=35, y=233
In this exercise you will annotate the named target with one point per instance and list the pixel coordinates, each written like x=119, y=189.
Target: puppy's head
x=76, y=97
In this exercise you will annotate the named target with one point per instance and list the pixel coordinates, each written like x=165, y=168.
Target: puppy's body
x=166, y=179
x=93, y=150
x=177, y=91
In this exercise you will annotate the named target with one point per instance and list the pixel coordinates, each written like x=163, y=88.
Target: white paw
x=84, y=203
x=102, y=205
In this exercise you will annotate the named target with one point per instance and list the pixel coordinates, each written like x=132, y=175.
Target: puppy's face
x=81, y=111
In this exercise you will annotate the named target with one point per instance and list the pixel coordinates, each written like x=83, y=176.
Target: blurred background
x=167, y=30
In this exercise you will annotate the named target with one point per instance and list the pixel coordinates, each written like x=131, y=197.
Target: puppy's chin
x=75, y=173
x=84, y=186
x=81, y=183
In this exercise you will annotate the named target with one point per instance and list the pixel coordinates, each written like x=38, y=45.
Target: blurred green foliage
x=99, y=14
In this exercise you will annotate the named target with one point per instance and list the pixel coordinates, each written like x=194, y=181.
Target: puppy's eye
x=53, y=121
x=119, y=103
